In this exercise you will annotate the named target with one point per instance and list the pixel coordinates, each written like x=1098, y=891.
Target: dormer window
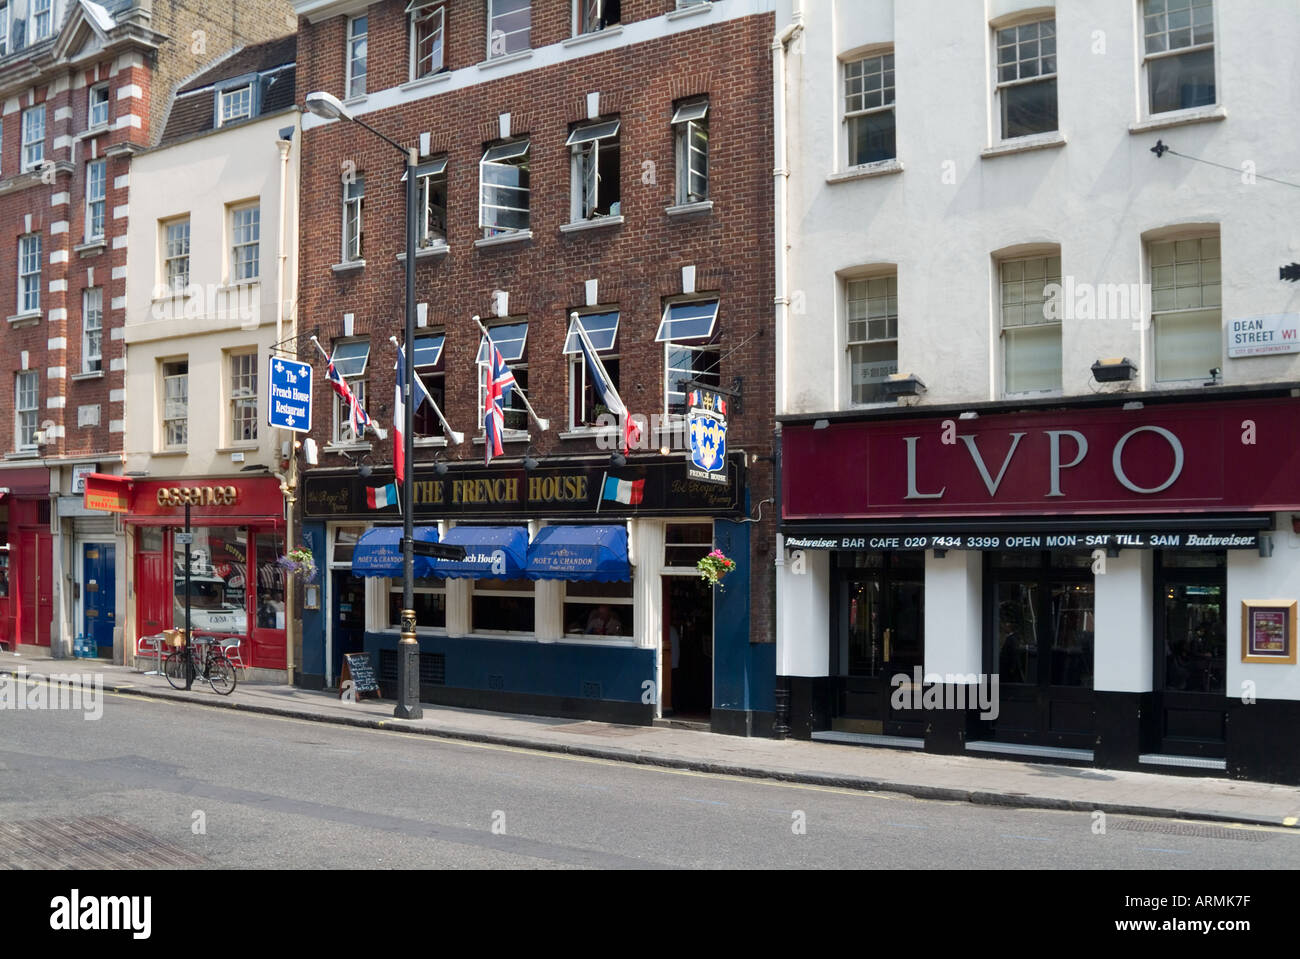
x=236, y=104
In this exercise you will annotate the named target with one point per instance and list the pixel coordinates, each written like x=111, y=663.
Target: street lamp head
x=326, y=106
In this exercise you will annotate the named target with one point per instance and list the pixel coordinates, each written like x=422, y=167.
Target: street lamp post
x=408, y=651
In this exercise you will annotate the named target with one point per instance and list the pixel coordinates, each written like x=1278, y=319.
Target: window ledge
x=23, y=455
x=686, y=209
x=349, y=266
x=595, y=223
x=703, y=6
x=347, y=448
x=239, y=285
x=1178, y=118
x=30, y=318
x=581, y=433
x=430, y=441
x=426, y=253
x=442, y=76
x=356, y=101
x=184, y=452
x=610, y=31
x=91, y=375
x=91, y=247
x=508, y=436
x=508, y=58
x=237, y=448
x=879, y=168
x=519, y=236
x=1040, y=141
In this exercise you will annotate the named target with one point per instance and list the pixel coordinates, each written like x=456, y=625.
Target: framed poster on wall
x=1268, y=631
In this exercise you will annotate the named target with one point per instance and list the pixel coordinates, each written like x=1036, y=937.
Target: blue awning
x=593, y=553
x=379, y=552
x=491, y=552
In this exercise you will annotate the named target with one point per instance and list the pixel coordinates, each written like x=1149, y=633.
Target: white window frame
x=29, y=273
x=626, y=605
x=243, y=395
x=176, y=255
x=42, y=19
x=434, y=377
x=96, y=199
x=586, y=143
x=1162, y=315
x=1018, y=66
x=92, y=329
x=531, y=593
x=578, y=371
x=5, y=21
x=33, y=136
x=851, y=110
x=174, y=390
x=495, y=49
x=91, y=104
x=517, y=360
x=515, y=155
x=1031, y=310
x=235, y=104
x=355, y=80
x=705, y=546
x=356, y=382
x=246, y=243
x=354, y=195
x=691, y=121
x=589, y=16
x=1193, y=47
x=706, y=342
x=395, y=587
x=426, y=175
x=889, y=317
x=422, y=13
x=27, y=403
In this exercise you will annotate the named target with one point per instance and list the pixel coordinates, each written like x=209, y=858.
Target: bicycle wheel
x=174, y=668
x=221, y=675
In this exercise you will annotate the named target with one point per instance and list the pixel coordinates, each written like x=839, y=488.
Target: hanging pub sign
x=707, y=427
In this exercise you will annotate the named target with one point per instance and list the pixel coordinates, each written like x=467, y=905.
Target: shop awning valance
x=379, y=552
x=592, y=553
x=491, y=552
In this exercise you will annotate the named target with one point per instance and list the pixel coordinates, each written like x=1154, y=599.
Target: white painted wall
x=953, y=612
x=1124, y=600
x=803, y=638
x=1251, y=576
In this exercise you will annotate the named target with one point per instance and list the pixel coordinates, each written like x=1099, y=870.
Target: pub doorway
x=878, y=620
x=349, y=626
x=686, y=647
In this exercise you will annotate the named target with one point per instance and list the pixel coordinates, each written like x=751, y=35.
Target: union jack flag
x=499, y=384
x=358, y=418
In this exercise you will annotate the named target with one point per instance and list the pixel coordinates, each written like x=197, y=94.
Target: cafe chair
x=150, y=646
x=231, y=647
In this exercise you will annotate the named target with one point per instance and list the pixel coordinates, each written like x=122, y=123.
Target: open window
x=585, y=407
x=428, y=359
x=511, y=338
x=504, y=189
x=691, y=123
x=689, y=334
x=595, y=15
x=350, y=358
x=428, y=25
x=596, y=186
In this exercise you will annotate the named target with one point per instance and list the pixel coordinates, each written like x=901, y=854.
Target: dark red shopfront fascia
x=237, y=587
x=1202, y=457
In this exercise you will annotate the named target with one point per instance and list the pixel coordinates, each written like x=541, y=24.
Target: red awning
x=109, y=493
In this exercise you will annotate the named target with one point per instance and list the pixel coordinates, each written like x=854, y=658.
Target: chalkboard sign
x=360, y=672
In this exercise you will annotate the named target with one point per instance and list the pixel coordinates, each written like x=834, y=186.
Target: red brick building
x=84, y=87
x=611, y=160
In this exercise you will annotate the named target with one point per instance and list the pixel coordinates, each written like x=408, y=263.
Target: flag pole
x=544, y=424
x=382, y=434
x=600, y=499
x=452, y=434
x=623, y=412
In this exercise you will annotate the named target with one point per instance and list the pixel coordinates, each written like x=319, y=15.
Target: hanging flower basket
x=299, y=561
x=715, y=566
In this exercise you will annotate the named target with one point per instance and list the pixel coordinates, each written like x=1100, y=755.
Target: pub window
x=502, y=606
x=1191, y=621
x=1031, y=332
x=585, y=407
x=598, y=609
x=511, y=338
x=1042, y=617
x=430, y=601
x=342, y=544
x=685, y=544
x=432, y=373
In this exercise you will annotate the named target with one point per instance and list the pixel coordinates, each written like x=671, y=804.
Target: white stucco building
x=1028, y=289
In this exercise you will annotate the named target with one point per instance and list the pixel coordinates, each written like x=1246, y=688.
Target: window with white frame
x=243, y=397
x=1031, y=352
x=428, y=25
x=1026, y=85
x=869, y=109
x=97, y=109
x=33, y=136
x=689, y=333
x=175, y=404
x=26, y=409
x=509, y=27
x=585, y=405
x=429, y=367
x=356, y=57
x=1186, y=308
x=691, y=126
x=41, y=19
x=351, y=358
x=236, y=104
x=502, y=606
x=431, y=203
x=504, y=193
x=685, y=544
x=342, y=543
x=871, y=309
x=595, y=15
x=511, y=338
x=598, y=609
x=4, y=29
x=29, y=273
x=176, y=255
x=1178, y=45
x=245, y=243
x=354, y=193
x=92, y=329
x=96, y=198
x=430, y=606
x=595, y=171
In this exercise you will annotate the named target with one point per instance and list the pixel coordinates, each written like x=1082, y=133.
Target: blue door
x=98, y=595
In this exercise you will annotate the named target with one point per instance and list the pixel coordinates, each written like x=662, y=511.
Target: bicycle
x=211, y=665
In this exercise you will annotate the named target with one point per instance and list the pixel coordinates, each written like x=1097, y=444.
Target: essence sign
x=1241, y=455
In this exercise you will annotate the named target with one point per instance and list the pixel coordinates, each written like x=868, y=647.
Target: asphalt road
x=162, y=783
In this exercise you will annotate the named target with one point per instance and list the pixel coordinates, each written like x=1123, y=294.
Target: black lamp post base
x=408, y=671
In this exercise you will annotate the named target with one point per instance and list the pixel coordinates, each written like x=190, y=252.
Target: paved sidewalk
x=958, y=778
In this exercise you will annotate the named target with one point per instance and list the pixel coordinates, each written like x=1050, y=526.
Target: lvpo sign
x=1196, y=457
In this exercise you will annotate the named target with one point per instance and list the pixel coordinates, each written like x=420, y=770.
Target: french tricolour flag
x=630, y=492
x=377, y=497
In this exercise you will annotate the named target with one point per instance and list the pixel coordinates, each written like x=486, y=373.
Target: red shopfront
x=236, y=583
x=26, y=554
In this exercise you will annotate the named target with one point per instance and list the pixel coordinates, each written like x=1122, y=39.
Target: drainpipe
x=288, y=485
